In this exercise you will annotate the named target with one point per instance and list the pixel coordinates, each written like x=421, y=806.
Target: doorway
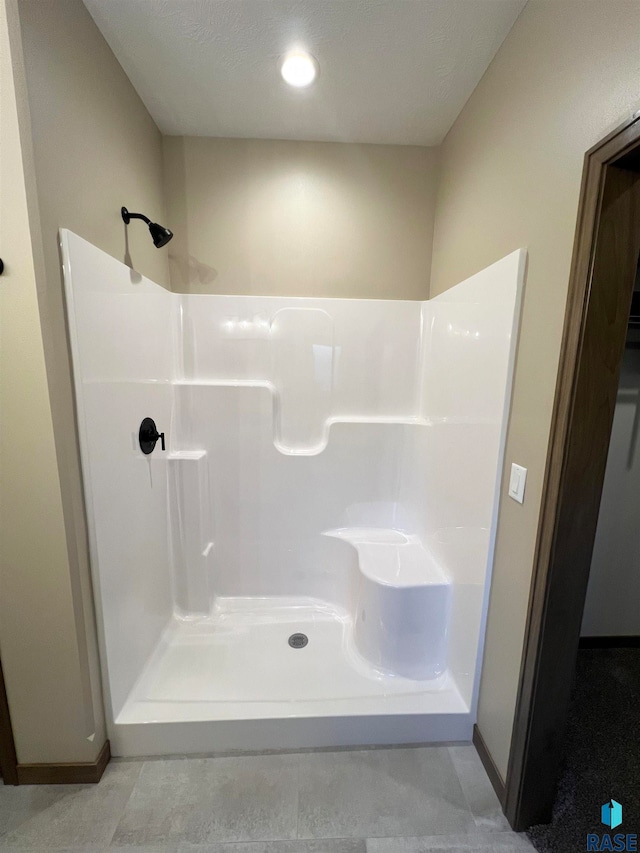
x=606, y=250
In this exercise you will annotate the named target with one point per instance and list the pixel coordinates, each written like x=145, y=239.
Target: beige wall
x=34, y=574
x=568, y=72
x=89, y=146
x=300, y=218
x=613, y=596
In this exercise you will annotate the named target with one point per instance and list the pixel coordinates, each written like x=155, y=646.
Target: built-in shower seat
x=401, y=602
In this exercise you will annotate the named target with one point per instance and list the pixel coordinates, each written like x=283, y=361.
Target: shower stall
x=307, y=561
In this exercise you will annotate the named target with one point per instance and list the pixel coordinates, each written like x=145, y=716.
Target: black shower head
x=159, y=234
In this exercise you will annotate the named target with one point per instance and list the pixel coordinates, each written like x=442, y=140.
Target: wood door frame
x=8, y=758
x=591, y=353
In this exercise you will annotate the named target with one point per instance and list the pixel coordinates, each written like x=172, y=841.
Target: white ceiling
x=391, y=71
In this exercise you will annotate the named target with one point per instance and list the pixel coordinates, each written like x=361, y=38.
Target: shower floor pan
x=232, y=682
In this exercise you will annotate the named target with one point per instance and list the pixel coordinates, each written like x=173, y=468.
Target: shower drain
x=298, y=641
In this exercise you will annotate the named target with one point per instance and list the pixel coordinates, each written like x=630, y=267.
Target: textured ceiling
x=391, y=71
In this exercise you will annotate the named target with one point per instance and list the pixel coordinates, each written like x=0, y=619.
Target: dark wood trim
x=599, y=298
x=487, y=762
x=622, y=642
x=8, y=758
x=65, y=774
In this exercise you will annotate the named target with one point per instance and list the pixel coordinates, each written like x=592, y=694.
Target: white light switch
x=517, y=482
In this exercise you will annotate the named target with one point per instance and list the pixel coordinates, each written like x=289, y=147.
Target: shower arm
x=127, y=217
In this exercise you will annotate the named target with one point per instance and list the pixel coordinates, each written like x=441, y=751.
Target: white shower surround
x=332, y=467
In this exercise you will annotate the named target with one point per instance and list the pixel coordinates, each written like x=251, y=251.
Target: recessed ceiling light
x=299, y=69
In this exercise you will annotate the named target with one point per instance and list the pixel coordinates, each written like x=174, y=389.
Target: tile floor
x=415, y=800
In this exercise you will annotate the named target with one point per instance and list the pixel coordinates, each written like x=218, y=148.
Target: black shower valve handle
x=159, y=436
x=148, y=435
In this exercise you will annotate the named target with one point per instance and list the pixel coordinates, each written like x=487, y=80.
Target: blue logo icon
x=611, y=814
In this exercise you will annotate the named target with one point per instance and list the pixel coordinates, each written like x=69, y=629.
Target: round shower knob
x=148, y=436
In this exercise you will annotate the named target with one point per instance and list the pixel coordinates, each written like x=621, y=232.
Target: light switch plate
x=517, y=482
